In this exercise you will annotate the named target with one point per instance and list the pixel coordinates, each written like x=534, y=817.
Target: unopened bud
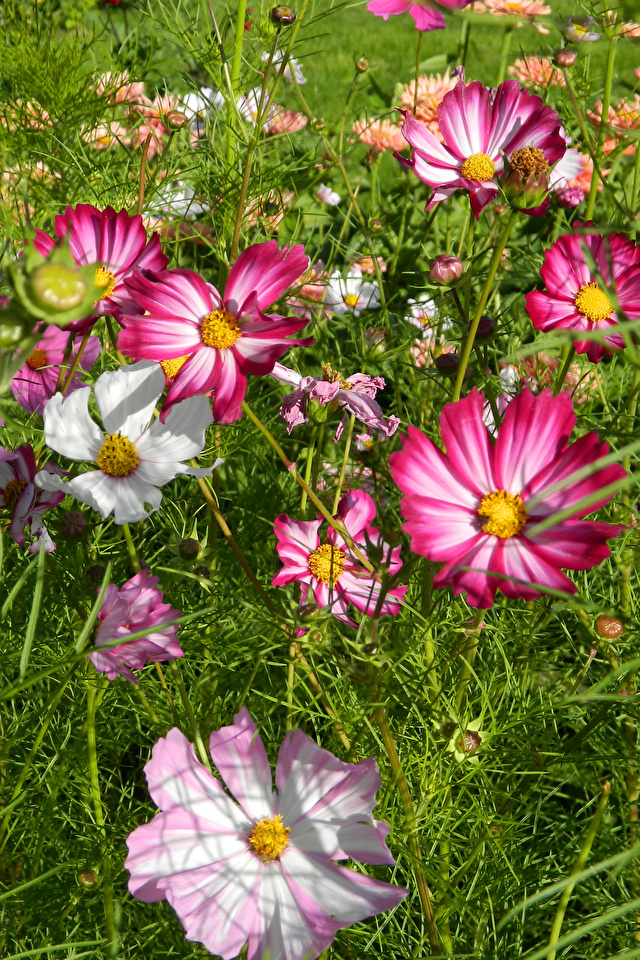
x=609, y=627
x=448, y=363
x=203, y=572
x=283, y=15
x=73, y=524
x=486, y=328
x=566, y=57
x=571, y=197
x=189, y=549
x=362, y=65
x=445, y=269
x=308, y=611
x=370, y=649
x=176, y=119
x=11, y=332
x=376, y=224
x=57, y=287
x=88, y=879
x=375, y=342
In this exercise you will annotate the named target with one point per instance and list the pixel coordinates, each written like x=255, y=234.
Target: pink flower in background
x=329, y=569
x=525, y=10
x=115, y=241
x=154, y=113
x=225, y=337
x=431, y=91
x=257, y=867
x=474, y=506
x=328, y=196
x=356, y=394
x=426, y=14
x=136, y=606
x=575, y=298
x=537, y=72
x=35, y=382
x=19, y=494
x=119, y=88
x=380, y=135
x=106, y=135
x=285, y=121
x=478, y=129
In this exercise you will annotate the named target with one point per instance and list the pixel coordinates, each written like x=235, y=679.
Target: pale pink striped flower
x=526, y=11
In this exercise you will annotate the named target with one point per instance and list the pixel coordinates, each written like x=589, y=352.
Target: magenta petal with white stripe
x=260, y=871
x=486, y=536
x=425, y=13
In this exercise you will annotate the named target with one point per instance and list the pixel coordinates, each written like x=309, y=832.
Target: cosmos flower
x=577, y=298
x=351, y=294
x=474, y=506
x=380, y=135
x=525, y=10
x=431, y=91
x=329, y=569
x=478, y=129
x=426, y=14
x=285, y=121
x=116, y=241
x=259, y=869
x=328, y=196
x=19, y=494
x=35, y=381
x=219, y=338
x=136, y=606
x=356, y=394
x=537, y=72
x=133, y=458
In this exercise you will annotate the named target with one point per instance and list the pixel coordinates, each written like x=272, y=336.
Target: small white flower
x=134, y=458
x=197, y=107
x=327, y=195
x=292, y=69
x=351, y=294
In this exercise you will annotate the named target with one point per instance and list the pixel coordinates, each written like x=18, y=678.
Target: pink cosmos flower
x=329, y=569
x=474, y=506
x=259, y=869
x=356, y=394
x=35, y=382
x=136, y=606
x=431, y=91
x=477, y=129
x=223, y=337
x=116, y=241
x=19, y=494
x=525, y=10
x=425, y=13
x=537, y=72
x=576, y=297
x=379, y=135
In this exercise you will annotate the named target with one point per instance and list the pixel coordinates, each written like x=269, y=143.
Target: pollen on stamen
x=220, y=330
x=270, y=838
x=505, y=512
x=117, y=456
x=173, y=367
x=37, y=360
x=327, y=563
x=478, y=167
x=105, y=278
x=593, y=303
x=13, y=491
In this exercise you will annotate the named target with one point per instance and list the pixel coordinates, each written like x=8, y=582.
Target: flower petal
x=68, y=428
x=241, y=760
x=127, y=397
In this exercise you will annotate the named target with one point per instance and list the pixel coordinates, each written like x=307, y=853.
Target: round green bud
x=57, y=287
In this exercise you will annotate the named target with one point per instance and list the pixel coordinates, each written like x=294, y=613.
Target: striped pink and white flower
x=208, y=342
x=479, y=128
x=475, y=507
x=426, y=14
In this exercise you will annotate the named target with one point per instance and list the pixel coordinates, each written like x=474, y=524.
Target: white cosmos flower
x=351, y=294
x=134, y=458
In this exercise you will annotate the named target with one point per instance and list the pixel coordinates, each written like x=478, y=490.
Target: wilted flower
x=19, y=495
x=136, y=606
x=258, y=869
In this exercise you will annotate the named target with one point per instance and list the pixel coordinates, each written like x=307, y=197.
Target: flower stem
x=143, y=173
x=93, y=686
x=76, y=363
x=504, y=53
x=343, y=466
x=234, y=77
x=410, y=817
x=602, y=133
x=468, y=654
x=418, y=55
x=482, y=302
x=65, y=360
x=568, y=354
x=186, y=703
x=308, y=467
x=133, y=555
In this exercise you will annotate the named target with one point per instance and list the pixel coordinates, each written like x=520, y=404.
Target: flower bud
x=566, y=57
x=374, y=342
x=609, y=627
x=88, y=879
x=376, y=224
x=203, y=572
x=57, y=287
x=448, y=363
x=486, y=328
x=189, y=549
x=176, y=119
x=12, y=330
x=580, y=30
x=283, y=16
x=73, y=524
x=362, y=65
x=525, y=181
x=571, y=197
x=445, y=269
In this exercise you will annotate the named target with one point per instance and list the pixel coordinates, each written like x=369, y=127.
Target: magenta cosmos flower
x=136, y=606
x=36, y=380
x=115, y=241
x=258, y=869
x=475, y=505
x=208, y=343
x=575, y=298
x=478, y=128
x=425, y=13
x=330, y=569
x=19, y=494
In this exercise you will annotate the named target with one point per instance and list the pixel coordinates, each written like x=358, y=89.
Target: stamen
x=270, y=838
x=220, y=330
x=117, y=456
x=13, y=491
x=351, y=300
x=505, y=512
x=37, y=360
x=529, y=161
x=478, y=167
x=105, y=278
x=327, y=563
x=172, y=367
x=592, y=303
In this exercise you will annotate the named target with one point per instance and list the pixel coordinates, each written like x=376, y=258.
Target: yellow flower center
x=478, y=167
x=172, y=367
x=117, y=456
x=270, y=838
x=505, y=512
x=592, y=303
x=329, y=375
x=327, y=563
x=220, y=330
x=37, y=359
x=351, y=300
x=105, y=278
x=529, y=161
x=13, y=491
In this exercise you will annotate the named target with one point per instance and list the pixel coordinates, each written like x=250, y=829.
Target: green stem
x=418, y=55
x=308, y=467
x=343, y=466
x=234, y=77
x=76, y=362
x=482, y=302
x=504, y=53
x=186, y=703
x=98, y=811
x=602, y=133
x=634, y=193
x=410, y=817
x=468, y=655
x=133, y=555
x=568, y=354
x=577, y=867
